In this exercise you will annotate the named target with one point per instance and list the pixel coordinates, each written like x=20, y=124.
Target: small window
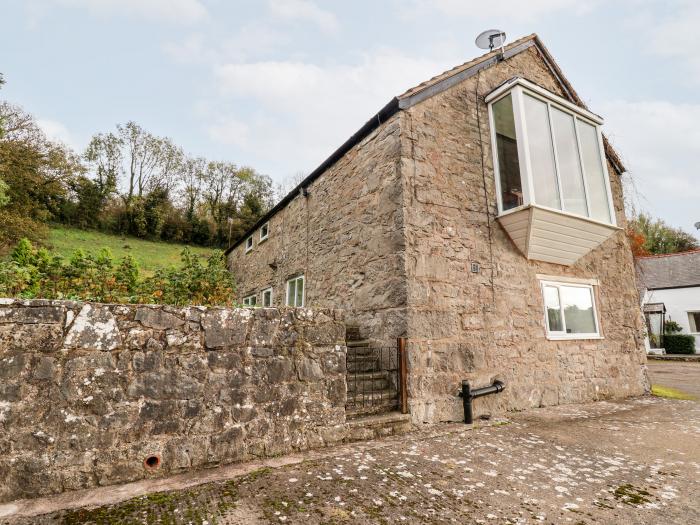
x=267, y=298
x=570, y=311
x=249, y=244
x=694, y=322
x=295, y=292
x=251, y=300
x=264, y=231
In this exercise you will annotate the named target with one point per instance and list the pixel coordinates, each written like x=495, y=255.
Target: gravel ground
x=636, y=462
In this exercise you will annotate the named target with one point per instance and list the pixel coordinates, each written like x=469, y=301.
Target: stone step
x=380, y=397
x=367, y=382
x=363, y=364
x=363, y=426
x=363, y=343
x=377, y=407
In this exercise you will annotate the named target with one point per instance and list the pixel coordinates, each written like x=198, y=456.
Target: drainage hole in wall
x=152, y=462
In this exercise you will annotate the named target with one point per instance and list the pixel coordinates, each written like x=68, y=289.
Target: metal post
x=403, y=374
x=467, y=402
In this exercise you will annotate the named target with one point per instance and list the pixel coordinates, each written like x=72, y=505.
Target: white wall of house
x=678, y=301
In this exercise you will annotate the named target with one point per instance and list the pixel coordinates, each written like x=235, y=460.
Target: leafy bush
x=679, y=344
x=33, y=273
x=672, y=327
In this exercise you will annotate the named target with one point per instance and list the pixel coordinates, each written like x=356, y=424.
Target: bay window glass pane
x=595, y=175
x=569, y=165
x=553, y=308
x=539, y=140
x=507, y=153
x=578, y=310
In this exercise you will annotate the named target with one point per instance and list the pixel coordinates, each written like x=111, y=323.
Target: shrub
x=34, y=273
x=679, y=344
x=672, y=327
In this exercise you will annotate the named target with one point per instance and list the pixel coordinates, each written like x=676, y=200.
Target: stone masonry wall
x=345, y=236
x=89, y=391
x=490, y=325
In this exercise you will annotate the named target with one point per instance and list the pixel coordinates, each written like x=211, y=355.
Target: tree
x=192, y=176
x=649, y=236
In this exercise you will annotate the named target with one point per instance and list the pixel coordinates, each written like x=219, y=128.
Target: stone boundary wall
x=89, y=392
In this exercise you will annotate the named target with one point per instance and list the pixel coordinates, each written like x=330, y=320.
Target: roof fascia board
x=455, y=79
x=378, y=119
x=696, y=285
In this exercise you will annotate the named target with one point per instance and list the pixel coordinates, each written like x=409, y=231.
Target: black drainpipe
x=467, y=394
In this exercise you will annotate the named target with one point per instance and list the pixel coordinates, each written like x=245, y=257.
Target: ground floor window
x=570, y=311
x=267, y=297
x=251, y=300
x=694, y=321
x=295, y=292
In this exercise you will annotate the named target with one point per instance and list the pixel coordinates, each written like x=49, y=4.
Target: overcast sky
x=280, y=84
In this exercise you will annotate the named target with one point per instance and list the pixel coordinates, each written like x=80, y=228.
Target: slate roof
x=676, y=270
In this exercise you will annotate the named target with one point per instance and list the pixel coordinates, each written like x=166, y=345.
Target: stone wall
x=345, y=236
x=88, y=392
x=490, y=325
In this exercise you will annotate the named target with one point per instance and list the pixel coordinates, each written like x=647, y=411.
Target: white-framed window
x=295, y=292
x=267, y=297
x=249, y=244
x=251, y=300
x=548, y=152
x=694, y=322
x=570, y=310
x=264, y=231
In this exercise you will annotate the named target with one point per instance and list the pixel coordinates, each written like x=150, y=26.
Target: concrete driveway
x=681, y=375
x=630, y=462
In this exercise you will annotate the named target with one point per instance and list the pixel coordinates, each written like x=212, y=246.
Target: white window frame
x=518, y=87
x=262, y=294
x=249, y=244
x=250, y=300
x=264, y=237
x=563, y=335
x=690, y=325
x=303, y=295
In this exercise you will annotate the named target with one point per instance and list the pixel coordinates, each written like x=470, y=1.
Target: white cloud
x=180, y=11
x=56, y=131
x=304, y=10
x=660, y=144
x=502, y=9
x=676, y=35
x=304, y=111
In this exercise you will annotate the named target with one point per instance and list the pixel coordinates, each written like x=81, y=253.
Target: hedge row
x=679, y=344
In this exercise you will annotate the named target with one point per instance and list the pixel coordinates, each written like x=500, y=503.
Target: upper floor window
x=249, y=244
x=251, y=300
x=549, y=152
x=264, y=231
x=295, y=292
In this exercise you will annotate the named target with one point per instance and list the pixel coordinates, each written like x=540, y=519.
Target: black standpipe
x=468, y=394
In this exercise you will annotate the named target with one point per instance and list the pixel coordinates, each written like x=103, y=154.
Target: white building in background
x=670, y=287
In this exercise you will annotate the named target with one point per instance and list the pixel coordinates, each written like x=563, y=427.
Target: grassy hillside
x=149, y=254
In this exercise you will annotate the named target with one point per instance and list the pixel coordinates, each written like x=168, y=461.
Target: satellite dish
x=491, y=38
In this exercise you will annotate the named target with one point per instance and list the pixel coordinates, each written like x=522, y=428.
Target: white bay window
x=551, y=174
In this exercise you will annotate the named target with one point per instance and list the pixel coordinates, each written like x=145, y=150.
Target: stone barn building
x=479, y=215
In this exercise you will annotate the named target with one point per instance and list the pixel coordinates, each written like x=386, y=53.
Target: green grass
x=150, y=255
x=669, y=393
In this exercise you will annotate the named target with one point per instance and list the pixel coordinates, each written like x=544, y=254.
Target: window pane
x=291, y=292
x=578, y=310
x=507, y=151
x=569, y=165
x=595, y=175
x=694, y=320
x=300, y=292
x=267, y=298
x=551, y=302
x=539, y=140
